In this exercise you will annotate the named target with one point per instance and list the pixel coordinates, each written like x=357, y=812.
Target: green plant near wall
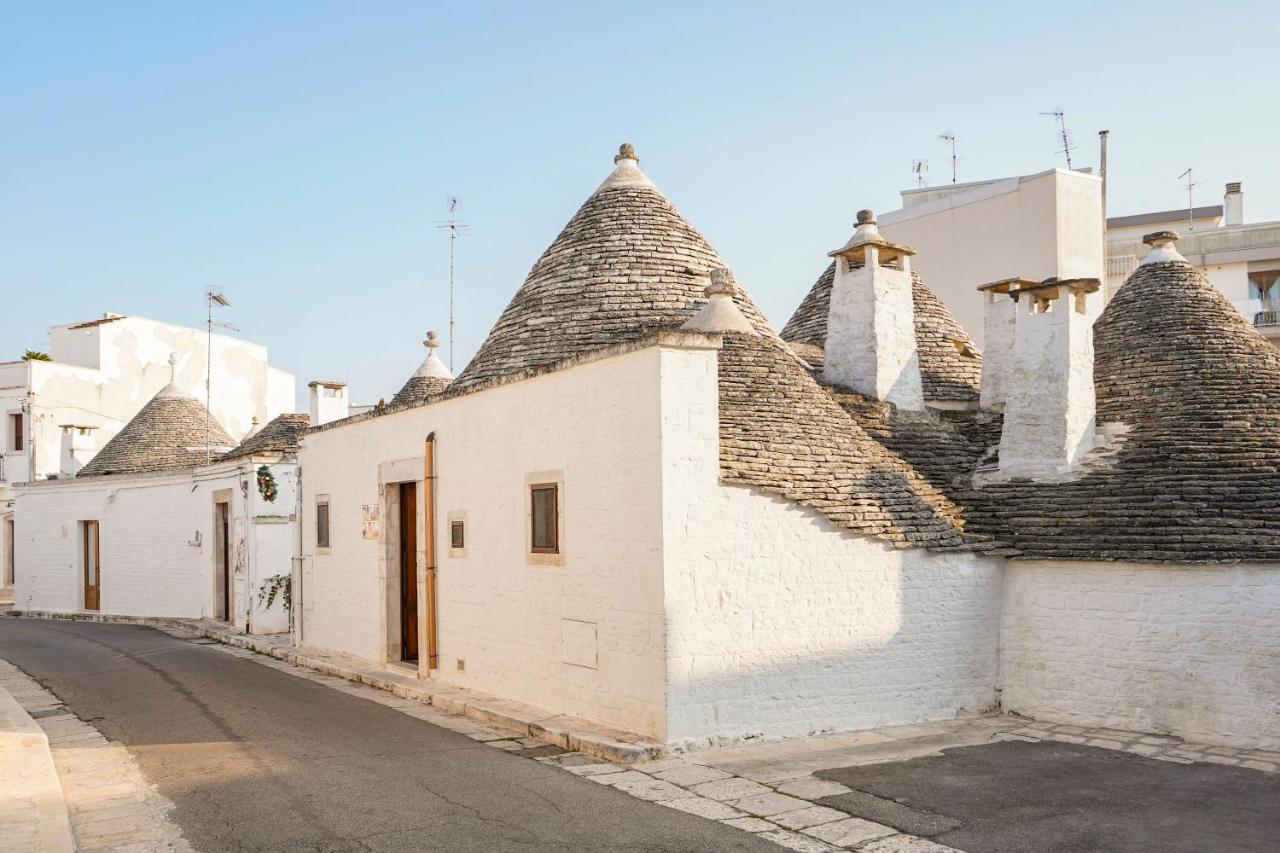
x=35, y=355
x=277, y=585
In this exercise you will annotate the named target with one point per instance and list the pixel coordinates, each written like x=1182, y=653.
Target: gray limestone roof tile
x=169, y=432
x=626, y=263
x=281, y=435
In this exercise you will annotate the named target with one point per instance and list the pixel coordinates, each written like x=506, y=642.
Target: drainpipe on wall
x=429, y=486
x=295, y=584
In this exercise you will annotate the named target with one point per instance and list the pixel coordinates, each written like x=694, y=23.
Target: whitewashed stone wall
x=1192, y=651
x=779, y=624
x=148, y=524
x=520, y=630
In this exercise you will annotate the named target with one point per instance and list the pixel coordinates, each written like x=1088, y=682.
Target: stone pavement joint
x=107, y=803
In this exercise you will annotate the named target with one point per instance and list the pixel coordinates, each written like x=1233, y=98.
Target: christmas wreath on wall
x=267, y=485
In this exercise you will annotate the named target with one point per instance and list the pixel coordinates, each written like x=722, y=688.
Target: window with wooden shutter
x=545, y=518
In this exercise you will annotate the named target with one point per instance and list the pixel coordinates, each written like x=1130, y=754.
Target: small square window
x=545, y=517
x=322, y=524
x=457, y=535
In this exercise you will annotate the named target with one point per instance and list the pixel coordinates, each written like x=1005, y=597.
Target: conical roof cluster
x=626, y=263
x=950, y=364
x=1190, y=389
x=169, y=432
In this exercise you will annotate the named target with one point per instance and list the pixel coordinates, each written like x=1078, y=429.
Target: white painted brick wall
x=1192, y=651
x=779, y=624
x=146, y=524
x=597, y=423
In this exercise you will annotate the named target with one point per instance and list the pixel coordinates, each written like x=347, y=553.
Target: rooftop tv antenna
x=456, y=228
x=1191, y=185
x=920, y=168
x=950, y=139
x=211, y=298
x=1068, y=145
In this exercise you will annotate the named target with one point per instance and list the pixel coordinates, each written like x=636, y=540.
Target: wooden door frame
x=96, y=526
x=223, y=609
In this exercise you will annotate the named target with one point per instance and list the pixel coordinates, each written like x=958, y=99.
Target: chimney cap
x=1235, y=187
x=1082, y=285
x=326, y=383
x=1008, y=285
x=626, y=151
x=866, y=233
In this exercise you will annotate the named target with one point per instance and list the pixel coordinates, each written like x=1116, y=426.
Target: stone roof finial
x=432, y=341
x=721, y=313
x=173, y=367
x=626, y=151
x=1163, y=249
x=866, y=217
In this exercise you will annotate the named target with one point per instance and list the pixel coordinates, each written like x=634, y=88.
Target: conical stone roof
x=167, y=433
x=626, y=263
x=281, y=435
x=950, y=365
x=1195, y=473
x=430, y=379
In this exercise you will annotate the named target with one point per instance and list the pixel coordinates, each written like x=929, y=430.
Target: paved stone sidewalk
x=111, y=805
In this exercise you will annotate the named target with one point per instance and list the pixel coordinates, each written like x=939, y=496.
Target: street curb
x=566, y=732
x=30, y=793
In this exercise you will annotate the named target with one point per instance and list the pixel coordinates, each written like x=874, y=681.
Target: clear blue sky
x=298, y=154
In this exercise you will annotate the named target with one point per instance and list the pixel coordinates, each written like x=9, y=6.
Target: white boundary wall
x=152, y=562
x=780, y=624
x=1192, y=651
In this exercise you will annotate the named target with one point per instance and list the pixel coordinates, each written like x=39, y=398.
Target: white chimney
x=1233, y=204
x=999, y=309
x=328, y=402
x=1049, y=405
x=79, y=444
x=871, y=336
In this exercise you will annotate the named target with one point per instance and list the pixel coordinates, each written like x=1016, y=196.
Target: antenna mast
x=211, y=297
x=1063, y=134
x=456, y=228
x=950, y=139
x=1191, y=185
x=920, y=168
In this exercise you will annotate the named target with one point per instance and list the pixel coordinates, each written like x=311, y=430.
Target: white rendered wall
x=1036, y=226
x=780, y=624
x=523, y=631
x=1192, y=651
x=102, y=375
x=999, y=314
x=157, y=543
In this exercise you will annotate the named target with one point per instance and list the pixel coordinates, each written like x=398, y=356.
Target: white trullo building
x=640, y=505
x=170, y=519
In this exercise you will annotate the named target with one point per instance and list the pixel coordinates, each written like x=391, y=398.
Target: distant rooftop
x=1211, y=211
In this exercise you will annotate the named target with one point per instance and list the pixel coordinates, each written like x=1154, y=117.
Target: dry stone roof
x=781, y=433
x=167, y=433
x=430, y=379
x=950, y=365
x=626, y=263
x=281, y=435
x=1196, y=478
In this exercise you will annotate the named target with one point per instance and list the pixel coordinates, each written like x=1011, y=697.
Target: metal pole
x=1103, y=136
x=208, y=376
x=453, y=243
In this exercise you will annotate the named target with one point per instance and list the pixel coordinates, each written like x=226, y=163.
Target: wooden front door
x=92, y=565
x=409, y=571
x=222, y=554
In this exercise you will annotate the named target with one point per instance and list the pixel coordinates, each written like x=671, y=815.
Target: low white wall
x=780, y=624
x=583, y=637
x=1192, y=651
x=147, y=524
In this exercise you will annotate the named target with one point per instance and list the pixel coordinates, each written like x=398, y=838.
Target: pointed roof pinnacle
x=433, y=366
x=866, y=233
x=172, y=389
x=1162, y=246
x=721, y=313
x=626, y=169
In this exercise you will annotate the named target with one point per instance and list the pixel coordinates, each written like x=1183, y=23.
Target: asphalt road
x=255, y=759
x=1051, y=797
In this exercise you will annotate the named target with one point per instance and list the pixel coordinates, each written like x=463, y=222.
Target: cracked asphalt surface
x=255, y=759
